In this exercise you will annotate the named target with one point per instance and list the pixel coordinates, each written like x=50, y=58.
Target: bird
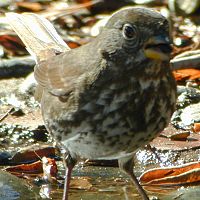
x=109, y=97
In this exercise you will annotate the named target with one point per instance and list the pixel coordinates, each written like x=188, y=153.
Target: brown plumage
x=109, y=97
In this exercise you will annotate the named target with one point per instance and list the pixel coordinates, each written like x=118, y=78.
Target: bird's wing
x=37, y=33
x=58, y=69
x=63, y=73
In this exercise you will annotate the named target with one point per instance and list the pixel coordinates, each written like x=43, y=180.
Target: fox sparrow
x=109, y=97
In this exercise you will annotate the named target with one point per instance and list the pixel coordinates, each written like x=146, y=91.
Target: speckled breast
x=115, y=119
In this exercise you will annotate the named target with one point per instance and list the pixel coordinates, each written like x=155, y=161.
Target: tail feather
x=37, y=33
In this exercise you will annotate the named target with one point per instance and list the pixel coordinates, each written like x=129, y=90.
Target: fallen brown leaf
x=172, y=176
x=175, y=140
x=33, y=168
x=12, y=44
x=182, y=136
x=183, y=74
x=46, y=167
x=196, y=127
x=81, y=183
x=30, y=6
x=30, y=154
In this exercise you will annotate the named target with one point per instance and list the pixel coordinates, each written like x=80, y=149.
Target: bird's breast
x=116, y=118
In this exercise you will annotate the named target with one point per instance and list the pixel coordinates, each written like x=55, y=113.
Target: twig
x=6, y=114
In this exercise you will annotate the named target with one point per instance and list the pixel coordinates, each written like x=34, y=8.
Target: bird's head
x=137, y=31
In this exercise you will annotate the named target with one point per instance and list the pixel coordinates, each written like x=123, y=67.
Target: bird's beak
x=158, y=48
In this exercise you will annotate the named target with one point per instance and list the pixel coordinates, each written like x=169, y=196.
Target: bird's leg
x=126, y=164
x=69, y=165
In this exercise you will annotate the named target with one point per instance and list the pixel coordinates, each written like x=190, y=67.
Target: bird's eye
x=129, y=32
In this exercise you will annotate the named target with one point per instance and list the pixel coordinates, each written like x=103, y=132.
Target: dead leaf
x=81, y=183
x=83, y=1
x=196, y=127
x=73, y=44
x=30, y=6
x=31, y=155
x=46, y=166
x=182, y=136
x=170, y=176
x=165, y=144
x=175, y=140
x=12, y=43
x=33, y=168
x=183, y=74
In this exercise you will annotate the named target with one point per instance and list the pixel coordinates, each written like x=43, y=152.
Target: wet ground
x=89, y=182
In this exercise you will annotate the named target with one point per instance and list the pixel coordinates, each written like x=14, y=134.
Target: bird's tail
x=38, y=34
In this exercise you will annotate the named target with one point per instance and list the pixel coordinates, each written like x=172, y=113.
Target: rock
x=12, y=188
